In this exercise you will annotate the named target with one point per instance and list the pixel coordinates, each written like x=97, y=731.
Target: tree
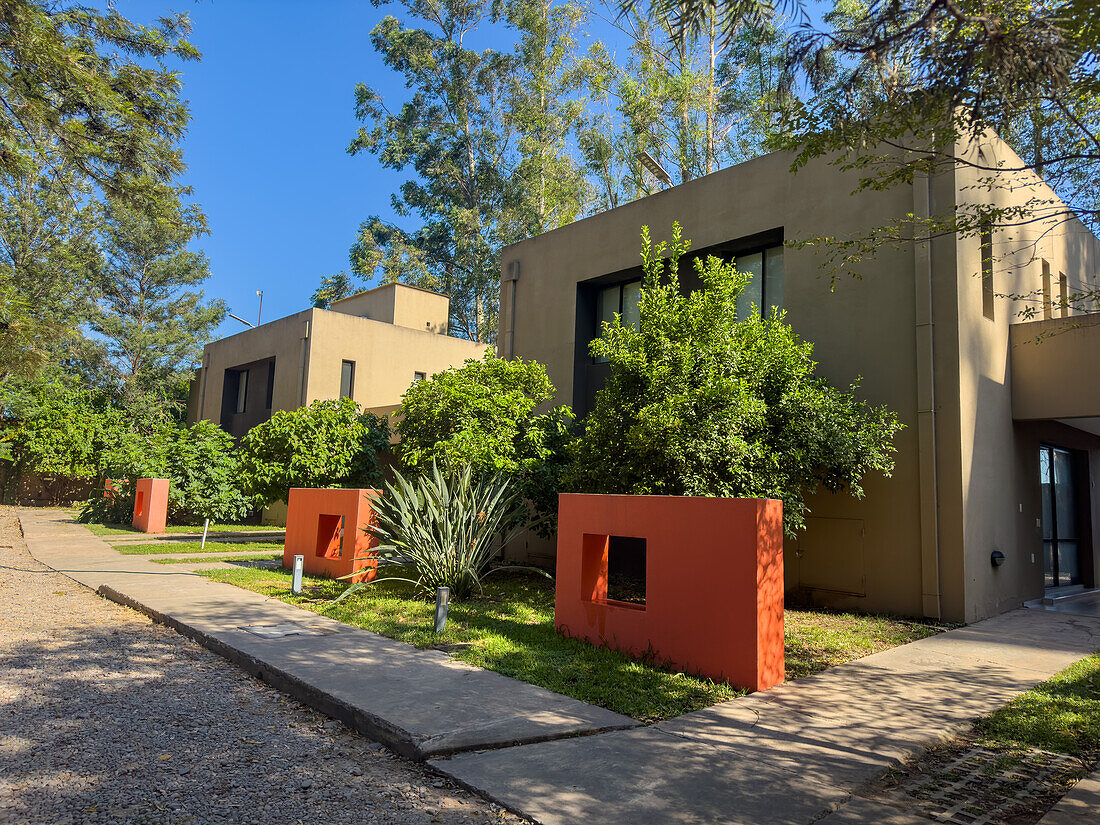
x=48, y=262
x=153, y=323
x=451, y=134
x=698, y=403
x=482, y=414
x=332, y=288
x=327, y=444
x=87, y=91
x=548, y=186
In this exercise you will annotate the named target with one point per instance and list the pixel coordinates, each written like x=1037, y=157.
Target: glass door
x=1056, y=477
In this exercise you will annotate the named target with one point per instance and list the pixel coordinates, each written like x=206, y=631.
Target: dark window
x=270, y=384
x=987, y=271
x=347, y=379
x=1063, y=294
x=242, y=390
x=419, y=376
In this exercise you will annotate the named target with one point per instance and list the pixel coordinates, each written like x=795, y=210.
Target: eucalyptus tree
x=452, y=133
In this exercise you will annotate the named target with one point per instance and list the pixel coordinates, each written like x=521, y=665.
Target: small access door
x=1061, y=552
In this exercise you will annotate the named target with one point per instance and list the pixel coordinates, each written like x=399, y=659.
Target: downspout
x=202, y=386
x=303, y=375
x=512, y=276
x=926, y=401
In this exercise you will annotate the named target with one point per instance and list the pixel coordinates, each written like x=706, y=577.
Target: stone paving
x=106, y=718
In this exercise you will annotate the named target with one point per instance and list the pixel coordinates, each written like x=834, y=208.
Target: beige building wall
x=309, y=349
x=911, y=328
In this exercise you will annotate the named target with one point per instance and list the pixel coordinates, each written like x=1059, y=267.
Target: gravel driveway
x=108, y=718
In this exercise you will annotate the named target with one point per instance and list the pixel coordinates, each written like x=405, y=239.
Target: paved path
x=421, y=703
x=108, y=718
x=793, y=755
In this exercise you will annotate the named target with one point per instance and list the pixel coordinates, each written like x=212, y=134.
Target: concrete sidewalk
x=420, y=703
x=796, y=754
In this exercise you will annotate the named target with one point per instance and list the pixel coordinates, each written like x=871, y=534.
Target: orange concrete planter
x=327, y=528
x=151, y=505
x=713, y=581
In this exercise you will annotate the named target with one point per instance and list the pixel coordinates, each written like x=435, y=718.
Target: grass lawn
x=209, y=560
x=194, y=547
x=1060, y=715
x=511, y=631
x=122, y=529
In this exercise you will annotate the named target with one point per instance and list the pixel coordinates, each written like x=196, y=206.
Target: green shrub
x=444, y=527
x=327, y=444
x=109, y=505
x=482, y=414
x=204, y=474
x=698, y=403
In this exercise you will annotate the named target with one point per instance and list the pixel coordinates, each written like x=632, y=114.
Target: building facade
x=1000, y=452
x=368, y=347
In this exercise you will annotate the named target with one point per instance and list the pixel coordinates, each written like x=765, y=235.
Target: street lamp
x=260, y=295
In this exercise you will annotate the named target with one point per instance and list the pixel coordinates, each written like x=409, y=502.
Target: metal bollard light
x=205, y=528
x=296, y=583
x=442, y=599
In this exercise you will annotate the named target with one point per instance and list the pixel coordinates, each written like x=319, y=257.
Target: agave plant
x=444, y=527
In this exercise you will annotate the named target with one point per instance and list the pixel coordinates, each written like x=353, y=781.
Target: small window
x=622, y=300
x=1047, y=311
x=419, y=376
x=347, y=379
x=1063, y=294
x=242, y=390
x=270, y=384
x=987, y=271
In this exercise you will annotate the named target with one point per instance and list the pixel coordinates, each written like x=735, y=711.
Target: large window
x=764, y=289
x=347, y=379
x=988, y=302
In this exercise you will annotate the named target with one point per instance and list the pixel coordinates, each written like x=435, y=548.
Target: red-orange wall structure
x=713, y=582
x=151, y=505
x=327, y=528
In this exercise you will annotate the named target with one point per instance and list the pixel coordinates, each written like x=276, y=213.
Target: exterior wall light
x=996, y=558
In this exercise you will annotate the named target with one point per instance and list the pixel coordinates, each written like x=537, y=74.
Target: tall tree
x=87, y=89
x=152, y=319
x=451, y=133
x=548, y=186
x=47, y=262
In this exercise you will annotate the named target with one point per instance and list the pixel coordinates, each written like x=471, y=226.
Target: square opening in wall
x=330, y=536
x=626, y=570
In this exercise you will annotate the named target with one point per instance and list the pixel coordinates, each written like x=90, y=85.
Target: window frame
x=242, y=392
x=351, y=379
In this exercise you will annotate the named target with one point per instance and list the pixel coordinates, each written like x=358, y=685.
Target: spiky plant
x=444, y=527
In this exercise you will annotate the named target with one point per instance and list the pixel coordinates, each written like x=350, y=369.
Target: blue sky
x=272, y=105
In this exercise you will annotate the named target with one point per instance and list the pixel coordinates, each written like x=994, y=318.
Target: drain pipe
x=926, y=403
x=512, y=276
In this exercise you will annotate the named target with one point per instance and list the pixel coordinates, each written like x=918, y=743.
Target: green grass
x=511, y=631
x=1060, y=715
x=196, y=547
x=208, y=560
x=123, y=529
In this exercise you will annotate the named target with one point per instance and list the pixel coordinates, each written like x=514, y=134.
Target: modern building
x=369, y=347
x=1000, y=454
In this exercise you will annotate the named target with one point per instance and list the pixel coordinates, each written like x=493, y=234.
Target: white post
x=296, y=582
x=205, y=527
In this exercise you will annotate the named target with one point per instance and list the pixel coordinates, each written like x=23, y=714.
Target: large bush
x=482, y=414
x=204, y=474
x=327, y=444
x=699, y=403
